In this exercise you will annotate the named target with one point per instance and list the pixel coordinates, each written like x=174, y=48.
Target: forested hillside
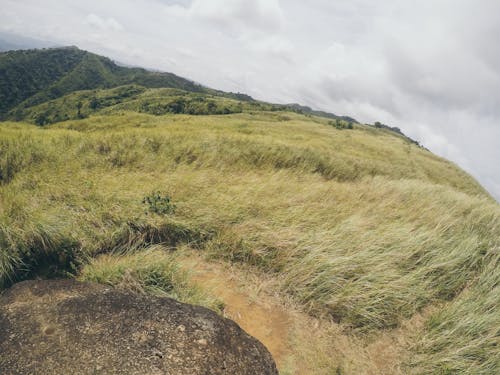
x=32, y=77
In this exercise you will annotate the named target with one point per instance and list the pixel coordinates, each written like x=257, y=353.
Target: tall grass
x=154, y=270
x=356, y=225
x=392, y=256
x=464, y=337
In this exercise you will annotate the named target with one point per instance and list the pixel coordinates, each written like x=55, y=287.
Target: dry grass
x=153, y=271
x=359, y=226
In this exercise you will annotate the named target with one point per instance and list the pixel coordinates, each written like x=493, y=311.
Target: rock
x=69, y=327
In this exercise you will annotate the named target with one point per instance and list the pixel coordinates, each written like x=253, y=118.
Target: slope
x=358, y=226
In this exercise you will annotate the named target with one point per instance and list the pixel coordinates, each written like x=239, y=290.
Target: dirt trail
x=299, y=344
x=263, y=319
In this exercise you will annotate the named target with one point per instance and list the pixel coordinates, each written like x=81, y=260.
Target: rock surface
x=68, y=327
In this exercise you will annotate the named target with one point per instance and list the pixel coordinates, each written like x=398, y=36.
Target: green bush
x=158, y=204
x=339, y=124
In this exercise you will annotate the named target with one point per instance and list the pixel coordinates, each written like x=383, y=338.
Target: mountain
x=305, y=109
x=29, y=78
x=35, y=76
x=346, y=248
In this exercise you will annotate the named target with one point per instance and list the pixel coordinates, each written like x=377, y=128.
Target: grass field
x=358, y=227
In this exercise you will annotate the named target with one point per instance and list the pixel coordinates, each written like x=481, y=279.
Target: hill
x=47, y=85
x=31, y=77
x=386, y=252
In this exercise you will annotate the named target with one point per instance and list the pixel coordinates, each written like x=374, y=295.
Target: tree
x=79, y=107
x=177, y=106
x=211, y=107
x=94, y=103
x=41, y=119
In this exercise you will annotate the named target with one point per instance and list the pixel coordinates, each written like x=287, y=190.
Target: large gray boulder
x=69, y=327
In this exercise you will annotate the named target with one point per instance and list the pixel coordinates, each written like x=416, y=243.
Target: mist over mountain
x=9, y=41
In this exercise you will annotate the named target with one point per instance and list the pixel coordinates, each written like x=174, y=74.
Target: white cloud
x=274, y=45
x=263, y=15
x=105, y=24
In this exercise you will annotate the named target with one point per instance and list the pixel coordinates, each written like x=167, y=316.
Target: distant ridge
x=31, y=77
x=305, y=109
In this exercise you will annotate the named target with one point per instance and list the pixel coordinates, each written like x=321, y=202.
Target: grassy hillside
x=160, y=101
x=356, y=226
x=359, y=226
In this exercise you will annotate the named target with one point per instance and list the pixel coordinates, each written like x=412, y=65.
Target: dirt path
x=261, y=318
x=299, y=344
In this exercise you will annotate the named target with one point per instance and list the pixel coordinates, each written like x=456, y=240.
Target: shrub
x=339, y=124
x=158, y=204
x=94, y=103
x=41, y=119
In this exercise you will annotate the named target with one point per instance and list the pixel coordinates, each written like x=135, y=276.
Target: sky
x=429, y=67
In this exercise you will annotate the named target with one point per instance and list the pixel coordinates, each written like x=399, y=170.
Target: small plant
x=339, y=124
x=158, y=204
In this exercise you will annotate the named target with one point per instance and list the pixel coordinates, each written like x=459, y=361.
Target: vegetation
x=32, y=77
x=309, y=111
x=360, y=226
x=339, y=124
x=464, y=336
x=159, y=204
x=82, y=104
x=396, y=130
x=354, y=224
x=57, y=84
x=153, y=270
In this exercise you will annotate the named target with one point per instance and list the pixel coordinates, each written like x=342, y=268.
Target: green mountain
x=45, y=86
x=31, y=77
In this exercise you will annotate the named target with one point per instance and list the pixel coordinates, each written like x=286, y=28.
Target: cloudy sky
x=430, y=67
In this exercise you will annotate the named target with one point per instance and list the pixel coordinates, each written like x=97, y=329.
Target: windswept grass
x=359, y=226
x=154, y=271
x=464, y=337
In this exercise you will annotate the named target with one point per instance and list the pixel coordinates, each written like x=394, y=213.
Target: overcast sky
x=430, y=67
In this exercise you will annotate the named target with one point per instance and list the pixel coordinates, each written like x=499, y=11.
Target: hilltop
x=386, y=252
